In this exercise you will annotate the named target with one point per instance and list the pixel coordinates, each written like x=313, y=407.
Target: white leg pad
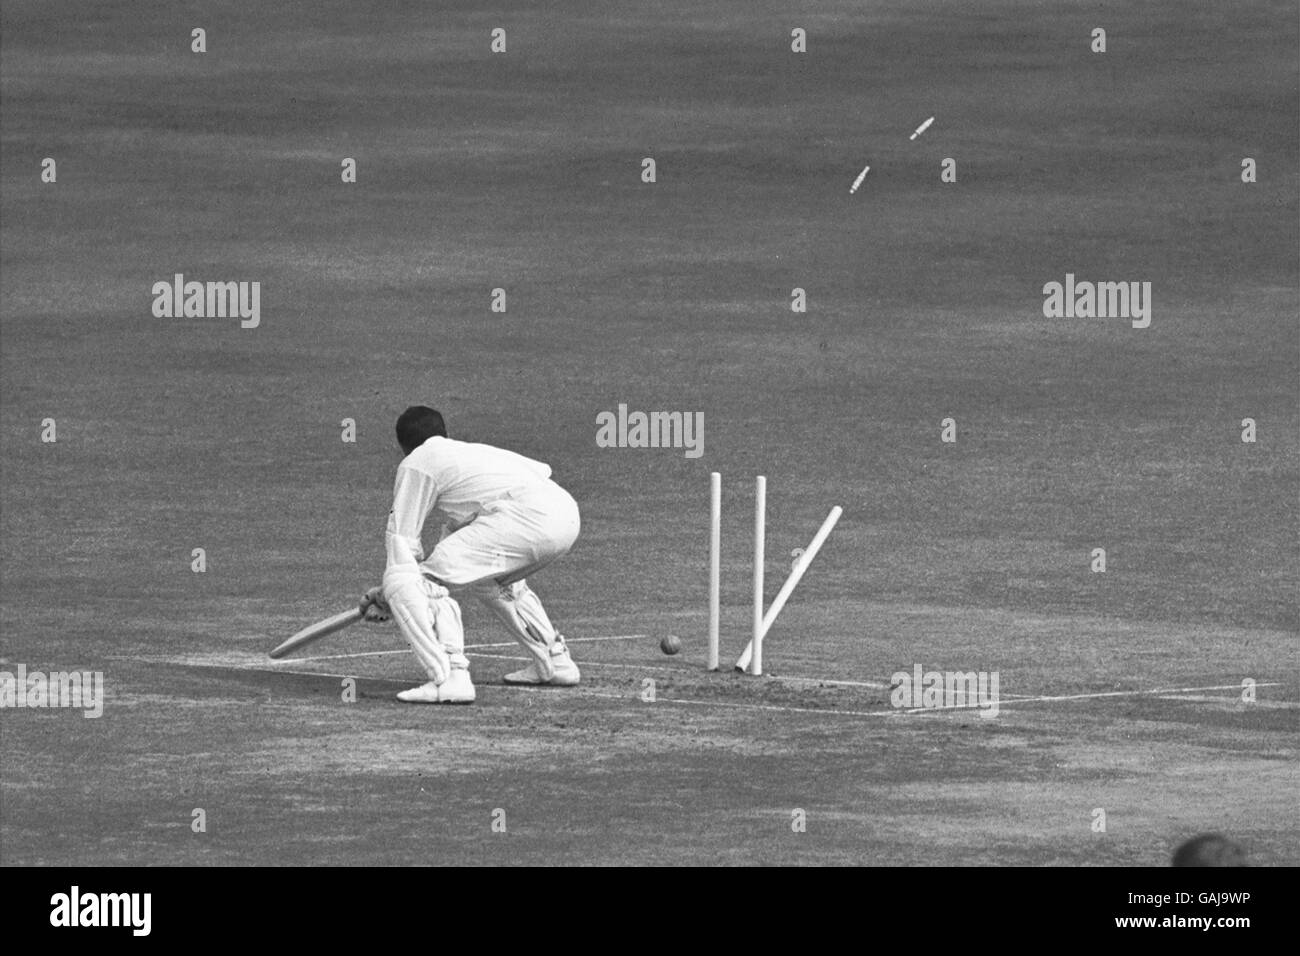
x=521, y=611
x=429, y=619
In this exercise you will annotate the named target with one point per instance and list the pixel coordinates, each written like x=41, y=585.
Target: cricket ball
x=670, y=644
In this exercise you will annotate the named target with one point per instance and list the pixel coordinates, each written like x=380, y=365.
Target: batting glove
x=374, y=608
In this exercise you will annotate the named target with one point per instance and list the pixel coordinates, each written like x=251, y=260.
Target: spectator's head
x=1210, y=849
x=417, y=425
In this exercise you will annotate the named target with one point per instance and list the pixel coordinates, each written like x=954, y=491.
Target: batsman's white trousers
x=509, y=540
x=492, y=555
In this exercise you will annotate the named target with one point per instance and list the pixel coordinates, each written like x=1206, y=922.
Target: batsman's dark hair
x=417, y=425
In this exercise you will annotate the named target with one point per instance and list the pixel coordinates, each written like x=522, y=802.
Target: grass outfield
x=522, y=171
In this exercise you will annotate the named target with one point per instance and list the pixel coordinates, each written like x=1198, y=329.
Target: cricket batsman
x=501, y=519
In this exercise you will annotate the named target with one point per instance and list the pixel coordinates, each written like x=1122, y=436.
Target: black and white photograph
x=686, y=433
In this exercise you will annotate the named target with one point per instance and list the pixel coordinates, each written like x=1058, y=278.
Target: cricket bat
x=314, y=632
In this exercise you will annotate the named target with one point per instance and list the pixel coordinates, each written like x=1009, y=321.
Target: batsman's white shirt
x=501, y=515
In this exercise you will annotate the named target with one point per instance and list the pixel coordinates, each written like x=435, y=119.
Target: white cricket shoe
x=456, y=689
x=566, y=671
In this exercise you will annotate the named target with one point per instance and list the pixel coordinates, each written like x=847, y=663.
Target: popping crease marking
x=1071, y=697
x=468, y=647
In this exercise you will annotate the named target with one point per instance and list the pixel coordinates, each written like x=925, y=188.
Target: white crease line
x=468, y=647
x=1236, y=701
x=336, y=657
x=271, y=667
x=1112, y=693
x=570, y=640
x=873, y=685
x=261, y=670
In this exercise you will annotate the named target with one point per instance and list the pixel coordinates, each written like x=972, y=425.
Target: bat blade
x=314, y=632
